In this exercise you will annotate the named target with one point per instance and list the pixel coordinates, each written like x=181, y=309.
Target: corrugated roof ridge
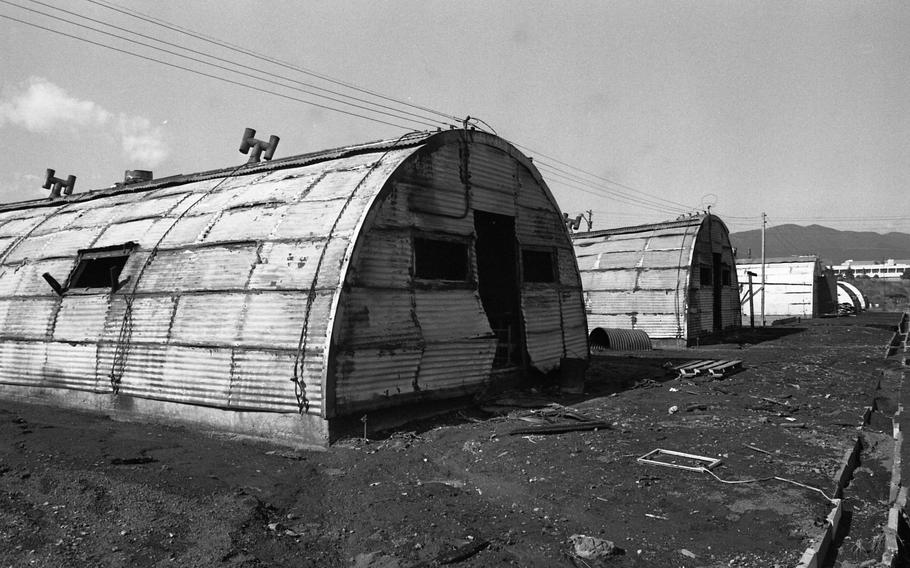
x=685, y=222
x=407, y=140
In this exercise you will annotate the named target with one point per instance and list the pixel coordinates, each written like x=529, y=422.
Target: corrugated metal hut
x=274, y=298
x=675, y=280
x=795, y=287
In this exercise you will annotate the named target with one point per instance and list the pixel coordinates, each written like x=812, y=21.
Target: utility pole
x=764, y=223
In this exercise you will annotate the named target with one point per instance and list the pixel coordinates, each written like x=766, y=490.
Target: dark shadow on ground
x=749, y=336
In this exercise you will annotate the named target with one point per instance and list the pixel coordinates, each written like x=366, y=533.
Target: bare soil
x=476, y=487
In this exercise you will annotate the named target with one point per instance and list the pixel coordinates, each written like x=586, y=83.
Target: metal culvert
x=603, y=338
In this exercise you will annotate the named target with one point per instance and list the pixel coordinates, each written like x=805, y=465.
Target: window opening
x=538, y=265
x=705, y=276
x=436, y=259
x=101, y=267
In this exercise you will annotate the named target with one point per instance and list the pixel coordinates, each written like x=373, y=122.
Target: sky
x=637, y=111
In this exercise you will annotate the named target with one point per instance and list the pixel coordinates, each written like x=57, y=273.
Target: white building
x=871, y=269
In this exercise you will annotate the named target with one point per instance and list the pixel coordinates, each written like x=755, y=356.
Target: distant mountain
x=831, y=245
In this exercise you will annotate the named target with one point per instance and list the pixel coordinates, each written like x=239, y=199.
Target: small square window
x=101, y=267
x=538, y=265
x=726, y=277
x=437, y=259
x=705, y=276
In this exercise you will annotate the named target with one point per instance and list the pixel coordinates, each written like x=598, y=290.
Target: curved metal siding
x=234, y=288
x=638, y=279
x=213, y=316
x=452, y=346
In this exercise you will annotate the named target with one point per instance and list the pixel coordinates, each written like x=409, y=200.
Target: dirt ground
x=477, y=487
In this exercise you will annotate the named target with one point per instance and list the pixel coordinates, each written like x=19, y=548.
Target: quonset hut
x=279, y=298
x=676, y=281
x=796, y=287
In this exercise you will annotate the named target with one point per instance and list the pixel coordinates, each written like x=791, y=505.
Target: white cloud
x=42, y=107
x=142, y=142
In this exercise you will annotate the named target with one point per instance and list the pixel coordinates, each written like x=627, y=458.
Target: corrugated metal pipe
x=256, y=147
x=603, y=338
x=56, y=185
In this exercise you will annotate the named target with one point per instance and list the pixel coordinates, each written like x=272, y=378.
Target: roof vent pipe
x=255, y=147
x=136, y=176
x=56, y=185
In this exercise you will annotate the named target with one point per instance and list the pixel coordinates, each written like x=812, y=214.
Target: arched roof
x=242, y=265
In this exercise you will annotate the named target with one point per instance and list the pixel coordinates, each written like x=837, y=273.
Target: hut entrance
x=497, y=283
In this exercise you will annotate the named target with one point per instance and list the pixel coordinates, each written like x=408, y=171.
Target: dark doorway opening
x=717, y=304
x=497, y=283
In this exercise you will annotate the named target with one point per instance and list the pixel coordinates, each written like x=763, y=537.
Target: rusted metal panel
x=543, y=328
x=545, y=350
x=22, y=362
x=568, y=270
x=140, y=209
x=27, y=318
x=539, y=227
x=370, y=316
x=609, y=280
x=21, y=226
x=450, y=314
x=287, y=265
x=149, y=319
x=531, y=195
x=492, y=169
x=664, y=279
x=194, y=375
x=249, y=223
x=57, y=221
x=375, y=374
x=382, y=261
x=285, y=186
x=24, y=278
x=310, y=220
x=63, y=243
x=574, y=328
x=261, y=380
x=5, y=243
x=273, y=320
x=144, y=232
x=627, y=301
x=72, y=366
x=81, y=318
x=208, y=319
x=456, y=364
x=186, y=230
x=451, y=201
x=209, y=268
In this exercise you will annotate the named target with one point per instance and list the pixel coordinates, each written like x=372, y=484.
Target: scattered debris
x=713, y=367
x=132, y=461
x=651, y=458
x=561, y=428
x=591, y=548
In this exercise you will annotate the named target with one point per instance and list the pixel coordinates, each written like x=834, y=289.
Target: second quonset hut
x=278, y=298
x=675, y=281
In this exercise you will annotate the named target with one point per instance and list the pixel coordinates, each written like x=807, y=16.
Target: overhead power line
x=207, y=63
x=238, y=49
x=568, y=175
